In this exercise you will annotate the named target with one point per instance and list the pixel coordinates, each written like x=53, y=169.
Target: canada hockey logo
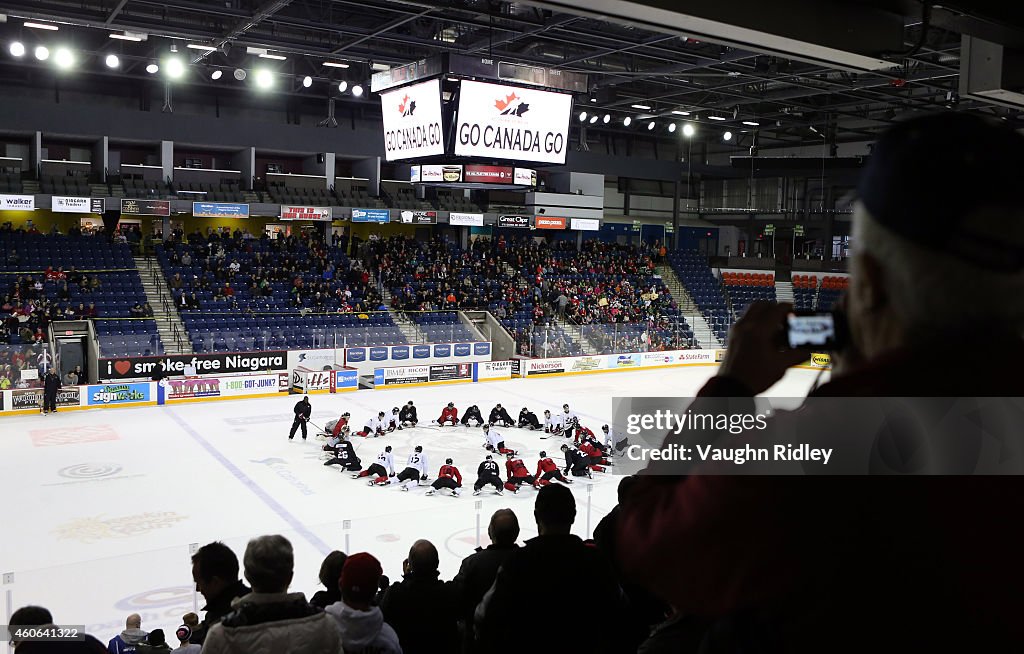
x=407, y=107
x=511, y=105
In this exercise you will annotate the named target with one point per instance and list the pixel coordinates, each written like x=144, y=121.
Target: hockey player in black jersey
x=575, y=461
x=528, y=420
x=472, y=413
x=345, y=456
x=407, y=415
x=499, y=416
x=488, y=473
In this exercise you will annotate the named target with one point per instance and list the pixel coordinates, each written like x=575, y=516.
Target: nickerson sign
x=205, y=364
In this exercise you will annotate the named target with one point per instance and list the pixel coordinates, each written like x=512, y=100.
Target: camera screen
x=818, y=330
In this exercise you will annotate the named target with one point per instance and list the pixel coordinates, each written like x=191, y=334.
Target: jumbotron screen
x=412, y=121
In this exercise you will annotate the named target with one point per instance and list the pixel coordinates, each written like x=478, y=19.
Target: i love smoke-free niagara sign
x=219, y=363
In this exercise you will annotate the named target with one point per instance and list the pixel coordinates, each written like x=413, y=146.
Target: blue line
x=273, y=504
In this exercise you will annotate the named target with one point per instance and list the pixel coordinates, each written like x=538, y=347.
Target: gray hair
x=935, y=291
x=269, y=561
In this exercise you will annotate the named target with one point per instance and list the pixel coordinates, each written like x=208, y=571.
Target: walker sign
x=218, y=363
x=412, y=121
x=511, y=122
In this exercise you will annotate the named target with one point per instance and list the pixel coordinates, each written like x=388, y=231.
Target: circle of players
x=583, y=456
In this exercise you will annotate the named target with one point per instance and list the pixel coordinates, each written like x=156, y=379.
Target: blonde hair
x=190, y=619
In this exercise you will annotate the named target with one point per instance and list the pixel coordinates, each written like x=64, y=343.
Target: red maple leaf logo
x=501, y=105
x=401, y=107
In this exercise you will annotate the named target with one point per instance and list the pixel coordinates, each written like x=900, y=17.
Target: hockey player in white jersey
x=393, y=421
x=415, y=469
x=612, y=442
x=553, y=424
x=495, y=442
x=380, y=470
x=570, y=422
x=375, y=426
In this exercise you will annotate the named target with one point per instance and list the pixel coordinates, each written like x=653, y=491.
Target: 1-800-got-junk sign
x=219, y=363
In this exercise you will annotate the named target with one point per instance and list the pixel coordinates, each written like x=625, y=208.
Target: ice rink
x=102, y=506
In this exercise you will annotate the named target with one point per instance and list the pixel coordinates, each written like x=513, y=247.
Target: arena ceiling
x=679, y=77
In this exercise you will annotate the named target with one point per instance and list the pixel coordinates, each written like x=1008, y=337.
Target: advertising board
x=412, y=121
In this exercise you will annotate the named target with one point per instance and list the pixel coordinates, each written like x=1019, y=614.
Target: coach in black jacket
x=51, y=384
x=302, y=412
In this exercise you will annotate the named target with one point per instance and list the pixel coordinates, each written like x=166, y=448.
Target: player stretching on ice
x=487, y=473
x=345, y=456
x=415, y=469
x=379, y=470
x=575, y=461
x=393, y=421
x=449, y=477
x=495, y=442
x=407, y=416
x=472, y=413
x=553, y=425
x=517, y=474
x=500, y=415
x=338, y=428
x=374, y=426
x=570, y=420
x=613, y=444
x=547, y=470
x=587, y=437
x=449, y=414
x=595, y=456
x=528, y=420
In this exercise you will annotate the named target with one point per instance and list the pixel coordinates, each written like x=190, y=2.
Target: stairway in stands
x=575, y=332
x=702, y=332
x=783, y=291
x=168, y=322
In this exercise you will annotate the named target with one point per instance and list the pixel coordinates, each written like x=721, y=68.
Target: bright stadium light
x=42, y=53
x=17, y=49
x=627, y=121
x=174, y=68
x=264, y=78
x=216, y=75
x=64, y=58
x=593, y=119
x=672, y=128
x=152, y=69
x=342, y=87
x=727, y=136
x=688, y=130
x=357, y=90
x=607, y=119
x=41, y=26
x=583, y=116
x=112, y=61
x=307, y=82
x=650, y=126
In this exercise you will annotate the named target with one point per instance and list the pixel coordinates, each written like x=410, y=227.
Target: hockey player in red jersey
x=547, y=470
x=449, y=414
x=517, y=474
x=595, y=457
x=449, y=477
x=588, y=437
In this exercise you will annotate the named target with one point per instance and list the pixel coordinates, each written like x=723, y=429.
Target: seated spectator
x=530, y=569
x=176, y=281
x=477, y=573
x=215, y=573
x=155, y=643
x=186, y=259
x=13, y=258
x=132, y=635
x=361, y=623
x=422, y=609
x=270, y=620
x=147, y=311
x=136, y=311
x=330, y=571
x=37, y=616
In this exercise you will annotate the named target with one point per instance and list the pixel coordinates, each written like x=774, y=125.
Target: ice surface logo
x=511, y=105
x=89, y=470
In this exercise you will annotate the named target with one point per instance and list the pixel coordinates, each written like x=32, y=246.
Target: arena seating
x=831, y=289
x=76, y=185
x=442, y=326
x=808, y=295
x=138, y=188
x=224, y=191
x=14, y=358
x=705, y=289
x=278, y=193
x=744, y=288
x=10, y=182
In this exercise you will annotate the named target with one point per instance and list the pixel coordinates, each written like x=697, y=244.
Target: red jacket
x=516, y=468
x=449, y=413
x=451, y=471
x=339, y=426
x=589, y=449
x=545, y=465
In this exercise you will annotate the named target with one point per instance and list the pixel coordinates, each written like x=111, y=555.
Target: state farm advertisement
x=511, y=122
x=412, y=121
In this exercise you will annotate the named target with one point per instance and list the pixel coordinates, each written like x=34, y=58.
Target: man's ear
x=870, y=290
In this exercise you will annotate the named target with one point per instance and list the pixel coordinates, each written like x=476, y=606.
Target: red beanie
x=360, y=577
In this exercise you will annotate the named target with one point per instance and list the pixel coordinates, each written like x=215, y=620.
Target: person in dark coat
x=556, y=559
x=330, y=572
x=215, y=573
x=302, y=412
x=499, y=416
x=478, y=570
x=423, y=610
x=37, y=616
x=407, y=416
x=51, y=384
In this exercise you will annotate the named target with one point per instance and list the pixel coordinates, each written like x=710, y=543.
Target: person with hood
x=131, y=636
x=362, y=624
x=407, y=416
x=422, y=609
x=270, y=620
x=155, y=643
x=302, y=411
x=215, y=573
x=51, y=384
x=500, y=415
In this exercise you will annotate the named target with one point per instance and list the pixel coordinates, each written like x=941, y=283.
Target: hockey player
x=500, y=415
x=345, y=456
x=487, y=473
x=547, y=470
x=595, y=457
x=576, y=461
x=495, y=442
x=449, y=413
x=339, y=428
x=553, y=425
x=528, y=420
x=302, y=411
x=380, y=470
x=374, y=426
x=415, y=469
x=613, y=444
x=472, y=413
x=570, y=420
x=407, y=416
x=448, y=477
x=393, y=421
x=517, y=474
x=584, y=435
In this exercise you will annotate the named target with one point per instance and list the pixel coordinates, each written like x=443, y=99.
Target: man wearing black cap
x=938, y=266
x=303, y=411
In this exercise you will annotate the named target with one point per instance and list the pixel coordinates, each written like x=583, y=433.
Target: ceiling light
x=727, y=136
x=129, y=36
x=215, y=75
x=688, y=130
x=593, y=119
x=593, y=99
x=42, y=53
x=112, y=61
x=334, y=64
x=174, y=68
x=627, y=121
x=307, y=82
x=64, y=58
x=357, y=90
x=607, y=119
x=583, y=116
x=752, y=123
x=17, y=49
x=41, y=26
x=643, y=107
x=681, y=113
x=152, y=69
x=267, y=55
x=380, y=67
x=716, y=117
x=671, y=127
x=650, y=126
x=239, y=74
x=264, y=78
x=342, y=87
x=204, y=48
